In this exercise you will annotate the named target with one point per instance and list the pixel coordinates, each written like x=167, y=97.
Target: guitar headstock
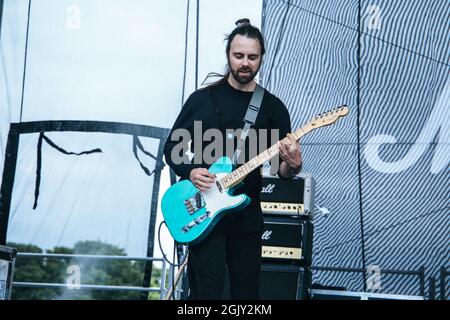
x=329, y=117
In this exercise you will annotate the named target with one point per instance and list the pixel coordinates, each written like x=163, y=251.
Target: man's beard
x=244, y=79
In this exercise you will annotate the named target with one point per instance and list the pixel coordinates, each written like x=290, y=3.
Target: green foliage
x=92, y=271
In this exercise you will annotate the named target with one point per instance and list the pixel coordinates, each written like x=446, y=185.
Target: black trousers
x=225, y=245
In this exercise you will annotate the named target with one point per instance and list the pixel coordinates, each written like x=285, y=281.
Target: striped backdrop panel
x=404, y=75
x=398, y=65
x=312, y=67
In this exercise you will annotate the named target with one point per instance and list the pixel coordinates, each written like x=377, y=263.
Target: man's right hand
x=202, y=178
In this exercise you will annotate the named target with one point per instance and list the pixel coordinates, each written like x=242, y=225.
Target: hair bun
x=243, y=22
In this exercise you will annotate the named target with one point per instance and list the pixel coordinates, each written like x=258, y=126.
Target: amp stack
x=288, y=207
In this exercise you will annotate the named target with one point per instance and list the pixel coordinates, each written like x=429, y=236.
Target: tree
x=36, y=270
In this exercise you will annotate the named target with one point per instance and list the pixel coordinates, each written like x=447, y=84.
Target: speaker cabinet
x=284, y=282
x=280, y=281
x=7, y=261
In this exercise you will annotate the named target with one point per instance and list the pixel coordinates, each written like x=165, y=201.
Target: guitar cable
x=173, y=264
x=182, y=263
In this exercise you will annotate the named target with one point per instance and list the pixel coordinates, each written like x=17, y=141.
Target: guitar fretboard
x=240, y=173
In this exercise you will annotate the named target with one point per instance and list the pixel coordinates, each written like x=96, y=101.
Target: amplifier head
x=291, y=197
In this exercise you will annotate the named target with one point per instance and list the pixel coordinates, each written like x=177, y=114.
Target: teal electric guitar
x=191, y=214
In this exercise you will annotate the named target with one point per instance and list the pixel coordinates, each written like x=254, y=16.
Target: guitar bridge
x=194, y=203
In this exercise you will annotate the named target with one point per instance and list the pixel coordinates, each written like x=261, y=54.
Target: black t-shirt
x=223, y=107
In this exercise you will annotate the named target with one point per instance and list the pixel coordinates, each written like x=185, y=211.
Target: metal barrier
x=345, y=295
x=419, y=273
x=162, y=289
x=431, y=288
x=444, y=274
x=165, y=275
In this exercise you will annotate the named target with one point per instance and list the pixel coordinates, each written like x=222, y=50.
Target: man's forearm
x=286, y=171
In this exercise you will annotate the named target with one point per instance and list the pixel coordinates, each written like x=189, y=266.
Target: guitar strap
x=249, y=119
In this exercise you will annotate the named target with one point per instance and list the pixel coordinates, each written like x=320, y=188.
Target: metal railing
x=443, y=275
x=166, y=278
x=419, y=273
x=162, y=288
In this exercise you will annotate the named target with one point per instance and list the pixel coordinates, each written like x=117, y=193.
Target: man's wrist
x=295, y=170
x=286, y=171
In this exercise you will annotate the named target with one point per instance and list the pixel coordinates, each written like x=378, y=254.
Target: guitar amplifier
x=287, y=239
x=279, y=282
x=291, y=197
x=285, y=282
x=7, y=261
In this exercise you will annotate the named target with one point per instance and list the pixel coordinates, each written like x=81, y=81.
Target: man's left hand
x=290, y=151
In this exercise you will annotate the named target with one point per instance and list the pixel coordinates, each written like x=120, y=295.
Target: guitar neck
x=236, y=176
